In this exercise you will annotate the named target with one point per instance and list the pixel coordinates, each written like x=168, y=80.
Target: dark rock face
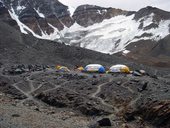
x=158, y=13
x=36, y=14
x=152, y=25
x=153, y=105
x=148, y=12
x=162, y=47
x=3, y=11
x=5, y=16
x=144, y=35
x=158, y=113
x=87, y=15
x=151, y=52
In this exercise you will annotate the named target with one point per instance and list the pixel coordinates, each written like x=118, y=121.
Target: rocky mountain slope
x=106, y=30
x=150, y=52
x=42, y=97
x=5, y=16
x=18, y=48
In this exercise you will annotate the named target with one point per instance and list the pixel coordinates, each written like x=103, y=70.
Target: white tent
x=94, y=68
x=119, y=68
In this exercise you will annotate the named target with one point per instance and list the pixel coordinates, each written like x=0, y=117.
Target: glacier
x=110, y=36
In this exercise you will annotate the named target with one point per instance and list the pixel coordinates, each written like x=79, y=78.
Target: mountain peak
x=88, y=6
x=86, y=15
x=108, y=30
x=159, y=14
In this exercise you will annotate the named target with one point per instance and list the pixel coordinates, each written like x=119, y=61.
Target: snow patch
x=147, y=20
x=71, y=9
x=25, y=29
x=40, y=14
x=125, y=52
x=75, y=27
x=99, y=12
x=15, y=17
x=20, y=8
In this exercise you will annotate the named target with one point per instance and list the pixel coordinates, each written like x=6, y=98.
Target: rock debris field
x=47, y=98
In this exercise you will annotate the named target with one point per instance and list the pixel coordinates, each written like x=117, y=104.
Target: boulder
x=129, y=116
x=104, y=122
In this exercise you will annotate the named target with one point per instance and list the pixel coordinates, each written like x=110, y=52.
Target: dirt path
x=132, y=103
x=94, y=95
x=15, y=86
x=130, y=90
x=31, y=86
x=99, y=89
x=30, y=83
x=116, y=110
x=40, y=85
x=27, y=77
x=56, y=86
x=27, y=94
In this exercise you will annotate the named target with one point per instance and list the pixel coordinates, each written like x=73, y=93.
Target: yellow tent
x=62, y=68
x=125, y=69
x=119, y=68
x=80, y=68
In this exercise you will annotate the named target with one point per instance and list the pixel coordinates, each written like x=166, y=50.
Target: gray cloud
x=122, y=4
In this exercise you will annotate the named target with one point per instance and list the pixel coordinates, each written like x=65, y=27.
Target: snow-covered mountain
x=113, y=35
x=106, y=30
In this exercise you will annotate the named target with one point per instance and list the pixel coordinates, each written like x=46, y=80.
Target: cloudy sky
x=123, y=4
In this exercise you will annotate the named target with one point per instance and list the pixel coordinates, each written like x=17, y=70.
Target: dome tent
x=80, y=68
x=62, y=68
x=94, y=68
x=119, y=68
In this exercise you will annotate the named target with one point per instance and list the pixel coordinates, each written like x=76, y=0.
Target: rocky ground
x=36, y=96
x=47, y=98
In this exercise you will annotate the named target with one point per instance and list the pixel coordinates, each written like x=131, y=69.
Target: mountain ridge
x=106, y=30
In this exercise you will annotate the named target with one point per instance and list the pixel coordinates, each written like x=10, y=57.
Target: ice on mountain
x=40, y=14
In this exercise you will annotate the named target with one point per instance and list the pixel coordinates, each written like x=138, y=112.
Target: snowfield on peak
x=113, y=35
x=110, y=36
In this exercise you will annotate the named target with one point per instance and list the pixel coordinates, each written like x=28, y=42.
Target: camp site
x=90, y=89
x=84, y=63
x=99, y=69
